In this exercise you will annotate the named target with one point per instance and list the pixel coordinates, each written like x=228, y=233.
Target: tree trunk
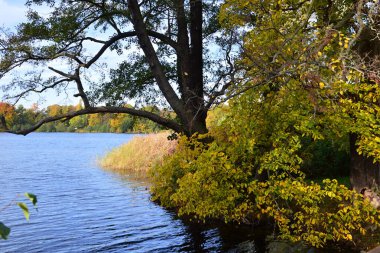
x=195, y=102
x=363, y=172
x=197, y=124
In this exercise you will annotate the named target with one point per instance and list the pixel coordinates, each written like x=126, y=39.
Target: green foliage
x=325, y=158
x=31, y=197
x=24, y=209
x=235, y=178
x=4, y=230
x=174, y=167
x=314, y=213
x=297, y=48
x=304, y=93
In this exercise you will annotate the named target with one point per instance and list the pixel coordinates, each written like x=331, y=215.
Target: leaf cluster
x=4, y=230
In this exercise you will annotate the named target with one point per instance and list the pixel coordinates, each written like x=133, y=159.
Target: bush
x=213, y=181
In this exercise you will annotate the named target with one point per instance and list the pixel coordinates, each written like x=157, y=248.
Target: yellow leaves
x=321, y=85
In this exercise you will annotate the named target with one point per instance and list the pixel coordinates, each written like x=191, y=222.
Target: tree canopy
x=170, y=53
x=322, y=57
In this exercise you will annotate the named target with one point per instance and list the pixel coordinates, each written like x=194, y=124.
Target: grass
x=139, y=154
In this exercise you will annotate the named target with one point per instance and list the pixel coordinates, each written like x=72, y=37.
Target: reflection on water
x=85, y=209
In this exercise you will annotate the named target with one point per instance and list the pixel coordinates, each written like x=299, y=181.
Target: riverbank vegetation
x=310, y=106
x=292, y=97
x=140, y=154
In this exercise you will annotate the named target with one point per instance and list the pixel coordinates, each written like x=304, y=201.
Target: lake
x=82, y=208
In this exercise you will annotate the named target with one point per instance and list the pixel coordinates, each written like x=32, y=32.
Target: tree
x=253, y=171
x=7, y=114
x=161, y=45
x=326, y=52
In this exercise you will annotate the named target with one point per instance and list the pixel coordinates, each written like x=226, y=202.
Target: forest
x=275, y=104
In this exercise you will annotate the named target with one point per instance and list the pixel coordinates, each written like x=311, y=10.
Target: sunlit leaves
x=32, y=198
x=24, y=209
x=303, y=83
x=8, y=112
x=4, y=230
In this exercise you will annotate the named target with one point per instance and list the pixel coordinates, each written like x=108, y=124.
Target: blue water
x=82, y=208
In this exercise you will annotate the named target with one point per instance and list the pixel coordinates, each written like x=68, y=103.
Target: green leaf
x=31, y=197
x=24, y=209
x=4, y=231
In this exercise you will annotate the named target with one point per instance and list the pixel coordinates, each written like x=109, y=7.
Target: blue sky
x=12, y=12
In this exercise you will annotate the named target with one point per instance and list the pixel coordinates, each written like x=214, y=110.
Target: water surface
x=82, y=208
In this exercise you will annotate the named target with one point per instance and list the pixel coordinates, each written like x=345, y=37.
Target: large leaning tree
x=170, y=52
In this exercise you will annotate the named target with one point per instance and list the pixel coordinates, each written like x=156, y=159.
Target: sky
x=13, y=12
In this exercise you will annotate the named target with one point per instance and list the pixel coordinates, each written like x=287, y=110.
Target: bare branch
x=123, y=35
x=71, y=56
x=80, y=88
x=107, y=45
x=72, y=77
x=167, y=40
x=22, y=94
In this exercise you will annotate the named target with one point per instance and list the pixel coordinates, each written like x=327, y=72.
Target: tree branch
x=171, y=124
x=80, y=88
x=107, y=45
x=72, y=77
x=123, y=35
x=154, y=63
x=25, y=92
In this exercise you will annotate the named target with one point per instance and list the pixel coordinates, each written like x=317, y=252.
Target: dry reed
x=139, y=154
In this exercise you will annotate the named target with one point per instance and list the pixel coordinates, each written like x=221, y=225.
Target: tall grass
x=139, y=154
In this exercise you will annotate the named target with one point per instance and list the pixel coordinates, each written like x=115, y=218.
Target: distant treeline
x=19, y=117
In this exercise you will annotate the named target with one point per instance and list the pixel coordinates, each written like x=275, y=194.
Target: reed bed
x=139, y=154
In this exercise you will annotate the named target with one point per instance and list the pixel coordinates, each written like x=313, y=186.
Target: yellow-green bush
x=252, y=170
x=208, y=181
x=300, y=82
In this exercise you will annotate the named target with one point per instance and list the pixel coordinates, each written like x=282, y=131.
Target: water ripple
x=83, y=208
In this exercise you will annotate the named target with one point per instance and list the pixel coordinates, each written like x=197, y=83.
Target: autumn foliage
x=7, y=111
x=305, y=81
